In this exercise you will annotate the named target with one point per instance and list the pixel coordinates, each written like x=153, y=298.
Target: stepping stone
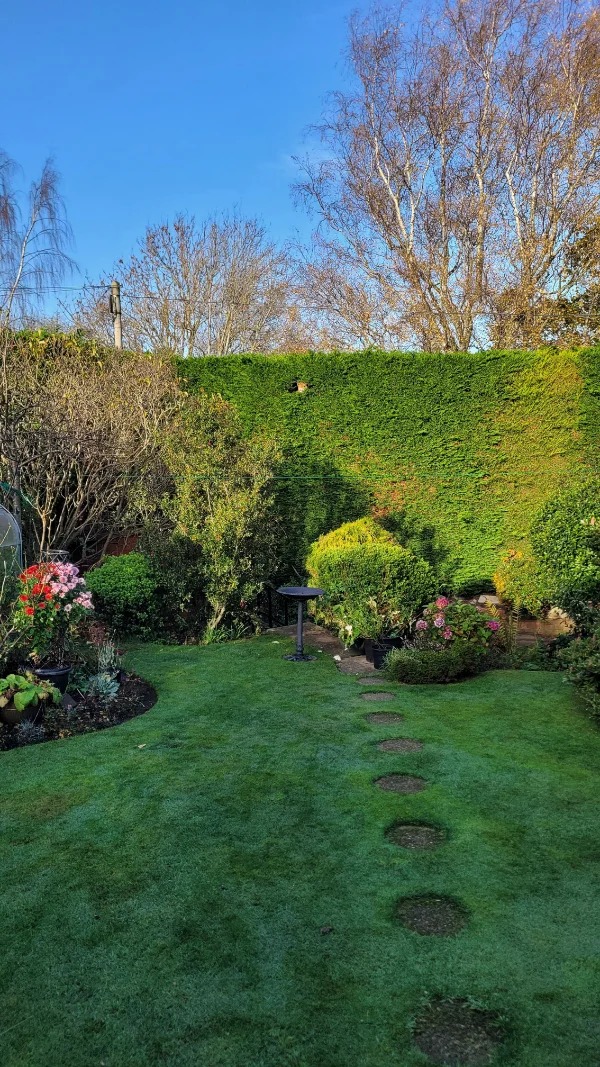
x=400, y=744
x=377, y=696
x=384, y=718
x=431, y=915
x=417, y=836
x=452, y=1032
x=401, y=783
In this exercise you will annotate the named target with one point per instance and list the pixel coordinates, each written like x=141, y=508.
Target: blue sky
x=150, y=108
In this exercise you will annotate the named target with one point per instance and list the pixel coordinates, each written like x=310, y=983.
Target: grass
x=164, y=884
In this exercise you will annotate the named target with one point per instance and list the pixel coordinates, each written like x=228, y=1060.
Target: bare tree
x=462, y=167
x=34, y=236
x=201, y=289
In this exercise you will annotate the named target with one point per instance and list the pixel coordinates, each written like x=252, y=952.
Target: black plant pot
x=368, y=649
x=381, y=649
x=58, y=676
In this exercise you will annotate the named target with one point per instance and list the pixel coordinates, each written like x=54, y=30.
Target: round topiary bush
x=373, y=585
x=125, y=593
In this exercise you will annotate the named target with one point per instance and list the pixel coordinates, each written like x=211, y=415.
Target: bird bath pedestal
x=301, y=593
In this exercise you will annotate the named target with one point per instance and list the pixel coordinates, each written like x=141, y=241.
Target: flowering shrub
x=445, y=622
x=52, y=603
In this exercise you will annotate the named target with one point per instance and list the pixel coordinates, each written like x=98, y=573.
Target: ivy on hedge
x=453, y=452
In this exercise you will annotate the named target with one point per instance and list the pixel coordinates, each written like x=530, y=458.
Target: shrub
x=423, y=666
x=581, y=660
x=125, y=594
x=445, y=622
x=563, y=565
x=371, y=587
x=360, y=532
x=222, y=501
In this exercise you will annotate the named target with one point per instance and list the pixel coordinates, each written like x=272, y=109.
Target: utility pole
x=115, y=310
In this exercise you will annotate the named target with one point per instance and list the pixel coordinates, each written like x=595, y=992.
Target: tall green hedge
x=455, y=452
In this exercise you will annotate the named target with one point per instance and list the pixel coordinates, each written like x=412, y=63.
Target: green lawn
x=164, y=884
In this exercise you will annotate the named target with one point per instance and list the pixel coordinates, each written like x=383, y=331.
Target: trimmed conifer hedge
x=454, y=452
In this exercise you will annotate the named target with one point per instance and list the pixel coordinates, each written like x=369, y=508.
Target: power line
x=52, y=288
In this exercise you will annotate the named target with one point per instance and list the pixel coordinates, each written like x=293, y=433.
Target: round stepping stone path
x=416, y=836
x=384, y=718
x=377, y=696
x=452, y=1032
x=437, y=916
x=400, y=744
x=401, y=783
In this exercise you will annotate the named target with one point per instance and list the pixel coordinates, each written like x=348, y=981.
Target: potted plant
x=52, y=604
x=22, y=696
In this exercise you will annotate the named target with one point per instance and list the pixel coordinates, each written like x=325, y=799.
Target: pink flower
x=493, y=624
x=421, y=625
x=439, y=621
x=442, y=602
x=447, y=634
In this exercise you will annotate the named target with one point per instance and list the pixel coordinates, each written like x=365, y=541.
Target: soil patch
x=454, y=1033
x=377, y=696
x=400, y=744
x=384, y=718
x=401, y=783
x=421, y=836
x=86, y=715
x=439, y=916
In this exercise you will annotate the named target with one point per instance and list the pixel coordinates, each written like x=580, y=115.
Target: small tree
x=222, y=501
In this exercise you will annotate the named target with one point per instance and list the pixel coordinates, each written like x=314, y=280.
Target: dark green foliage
x=565, y=540
x=371, y=587
x=580, y=658
x=457, y=451
x=562, y=564
x=165, y=883
x=124, y=591
x=423, y=666
x=176, y=565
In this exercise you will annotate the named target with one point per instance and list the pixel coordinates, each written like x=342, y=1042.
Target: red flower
x=24, y=598
x=42, y=605
x=48, y=596
x=29, y=611
x=22, y=578
x=36, y=589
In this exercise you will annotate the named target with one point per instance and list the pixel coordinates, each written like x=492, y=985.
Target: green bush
x=425, y=666
x=562, y=567
x=371, y=587
x=176, y=565
x=581, y=660
x=125, y=594
x=363, y=531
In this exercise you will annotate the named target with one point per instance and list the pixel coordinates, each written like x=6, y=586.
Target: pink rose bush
x=445, y=621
